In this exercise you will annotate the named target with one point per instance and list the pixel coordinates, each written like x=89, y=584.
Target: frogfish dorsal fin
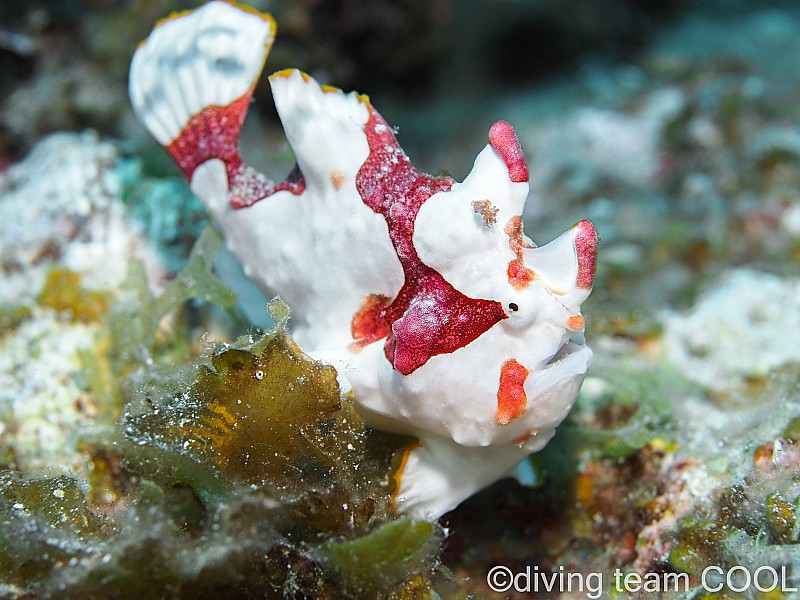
x=191, y=83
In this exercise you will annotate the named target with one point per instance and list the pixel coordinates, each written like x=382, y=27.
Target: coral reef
x=744, y=308
x=61, y=207
x=65, y=243
x=661, y=469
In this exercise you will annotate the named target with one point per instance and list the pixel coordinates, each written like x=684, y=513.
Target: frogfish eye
x=513, y=306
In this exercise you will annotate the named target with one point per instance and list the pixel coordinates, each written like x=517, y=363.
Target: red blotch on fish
x=511, y=398
x=429, y=316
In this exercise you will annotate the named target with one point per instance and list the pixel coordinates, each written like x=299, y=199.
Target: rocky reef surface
x=152, y=442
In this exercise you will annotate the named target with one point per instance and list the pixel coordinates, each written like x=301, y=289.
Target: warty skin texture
x=445, y=320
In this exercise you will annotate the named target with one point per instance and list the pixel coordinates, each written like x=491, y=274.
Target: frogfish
x=444, y=320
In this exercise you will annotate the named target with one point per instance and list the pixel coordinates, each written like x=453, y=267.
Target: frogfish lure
x=444, y=319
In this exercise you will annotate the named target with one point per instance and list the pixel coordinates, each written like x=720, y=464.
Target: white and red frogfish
x=445, y=320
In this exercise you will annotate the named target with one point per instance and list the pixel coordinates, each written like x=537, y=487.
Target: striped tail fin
x=191, y=82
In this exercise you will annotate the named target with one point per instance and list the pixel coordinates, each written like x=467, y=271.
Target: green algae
x=383, y=558
x=780, y=514
x=254, y=458
x=257, y=428
x=259, y=413
x=698, y=545
x=196, y=280
x=135, y=321
x=753, y=522
x=635, y=411
x=44, y=523
x=242, y=472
